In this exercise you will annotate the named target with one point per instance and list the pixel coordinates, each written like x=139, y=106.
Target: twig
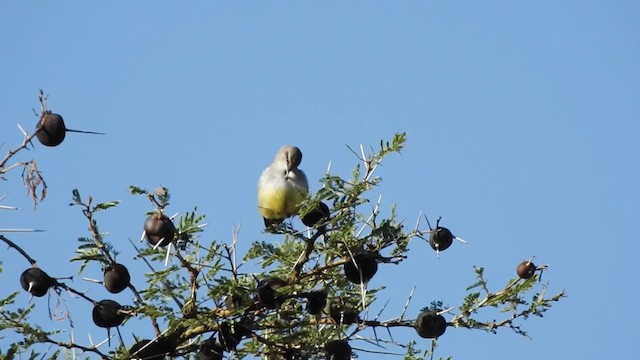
x=72, y=346
x=27, y=138
x=166, y=286
x=11, y=153
x=297, y=268
x=19, y=249
x=406, y=305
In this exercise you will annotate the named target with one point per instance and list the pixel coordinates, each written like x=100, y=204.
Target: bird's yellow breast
x=279, y=203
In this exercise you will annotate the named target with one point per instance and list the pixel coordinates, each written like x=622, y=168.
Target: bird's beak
x=289, y=165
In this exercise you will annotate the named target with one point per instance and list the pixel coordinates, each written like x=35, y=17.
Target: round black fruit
x=316, y=301
x=526, y=269
x=317, y=216
x=430, y=324
x=106, y=314
x=50, y=130
x=230, y=336
x=440, y=238
x=338, y=350
x=159, y=229
x=116, y=278
x=35, y=281
x=267, y=292
x=147, y=350
x=363, y=269
x=209, y=350
x=343, y=316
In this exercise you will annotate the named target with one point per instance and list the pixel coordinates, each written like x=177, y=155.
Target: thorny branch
x=72, y=346
x=511, y=296
x=19, y=249
x=297, y=269
x=43, y=337
x=88, y=211
x=262, y=323
x=31, y=175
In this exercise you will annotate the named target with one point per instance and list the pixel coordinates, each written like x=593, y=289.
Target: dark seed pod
x=231, y=335
x=440, y=238
x=106, y=315
x=338, y=350
x=293, y=354
x=316, y=301
x=365, y=264
x=116, y=278
x=343, y=316
x=267, y=296
x=209, y=350
x=317, y=216
x=430, y=324
x=36, y=281
x=226, y=337
x=526, y=269
x=267, y=292
x=159, y=229
x=147, y=350
x=51, y=130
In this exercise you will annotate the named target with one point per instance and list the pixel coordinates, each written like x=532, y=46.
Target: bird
x=282, y=186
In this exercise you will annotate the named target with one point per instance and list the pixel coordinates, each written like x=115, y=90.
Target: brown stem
x=297, y=269
x=193, y=280
x=77, y=346
x=70, y=289
x=97, y=238
x=322, y=269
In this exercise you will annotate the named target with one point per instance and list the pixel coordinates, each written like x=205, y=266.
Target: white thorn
x=22, y=130
x=363, y=292
x=461, y=240
x=445, y=311
x=416, y=228
x=158, y=244
x=9, y=207
x=166, y=259
x=20, y=230
x=92, y=280
x=73, y=351
x=105, y=341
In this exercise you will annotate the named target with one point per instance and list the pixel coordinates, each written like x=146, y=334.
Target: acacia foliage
x=296, y=297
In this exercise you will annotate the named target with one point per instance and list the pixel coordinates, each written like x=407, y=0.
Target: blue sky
x=522, y=120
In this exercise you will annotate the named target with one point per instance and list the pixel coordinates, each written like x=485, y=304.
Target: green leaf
x=134, y=190
x=105, y=205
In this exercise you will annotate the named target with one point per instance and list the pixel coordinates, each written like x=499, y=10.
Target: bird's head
x=291, y=155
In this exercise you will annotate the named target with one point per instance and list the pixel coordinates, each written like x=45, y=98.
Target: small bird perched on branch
x=282, y=186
